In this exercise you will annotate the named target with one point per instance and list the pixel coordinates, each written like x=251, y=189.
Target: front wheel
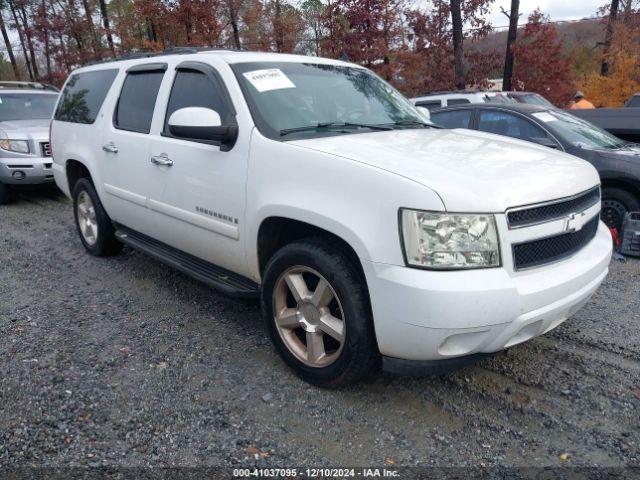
x=94, y=225
x=316, y=308
x=616, y=203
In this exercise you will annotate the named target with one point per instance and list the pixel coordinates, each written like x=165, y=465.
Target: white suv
x=373, y=239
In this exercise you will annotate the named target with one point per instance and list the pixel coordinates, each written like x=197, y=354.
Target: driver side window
x=192, y=88
x=511, y=125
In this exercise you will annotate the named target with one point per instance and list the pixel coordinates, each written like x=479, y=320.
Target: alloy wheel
x=87, y=218
x=308, y=316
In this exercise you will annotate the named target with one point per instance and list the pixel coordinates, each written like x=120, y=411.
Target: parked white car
x=372, y=237
x=437, y=100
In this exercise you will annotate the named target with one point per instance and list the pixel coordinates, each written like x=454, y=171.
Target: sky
x=556, y=9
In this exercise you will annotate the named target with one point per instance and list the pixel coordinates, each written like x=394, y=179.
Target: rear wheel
x=94, y=225
x=317, y=312
x=616, y=202
x=4, y=193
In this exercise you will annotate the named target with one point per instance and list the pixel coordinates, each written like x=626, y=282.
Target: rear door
x=129, y=178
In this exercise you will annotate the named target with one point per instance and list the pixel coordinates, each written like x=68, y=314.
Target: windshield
x=577, y=132
x=26, y=106
x=311, y=100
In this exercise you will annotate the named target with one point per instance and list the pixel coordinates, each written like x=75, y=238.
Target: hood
x=470, y=171
x=23, y=129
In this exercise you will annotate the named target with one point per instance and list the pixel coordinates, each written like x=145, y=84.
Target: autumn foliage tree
x=541, y=64
x=614, y=84
x=427, y=54
x=410, y=44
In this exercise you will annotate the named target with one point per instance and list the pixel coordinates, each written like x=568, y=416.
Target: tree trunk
x=32, y=52
x=458, y=47
x=613, y=13
x=58, y=32
x=233, y=17
x=277, y=28
x=47, y=52
x=7, y=43
x=511, y=40
x=107, y=26
x=21, y=38
x=92, y=29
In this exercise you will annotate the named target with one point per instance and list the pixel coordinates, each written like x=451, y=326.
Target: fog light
x=19, y=175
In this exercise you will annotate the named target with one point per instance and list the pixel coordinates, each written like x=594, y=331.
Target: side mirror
x=426, y=114
x=199, y=123
x=545, y=142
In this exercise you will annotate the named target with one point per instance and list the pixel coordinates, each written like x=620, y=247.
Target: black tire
x=106, y=242
x=616, y=202
x=4, y=193
x=359, y=356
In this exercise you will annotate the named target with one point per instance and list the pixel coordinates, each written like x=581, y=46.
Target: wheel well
x=622, y=184
x=76, y=171
x=276, y=232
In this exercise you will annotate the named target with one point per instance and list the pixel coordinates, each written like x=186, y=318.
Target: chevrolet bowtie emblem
x=574, y=222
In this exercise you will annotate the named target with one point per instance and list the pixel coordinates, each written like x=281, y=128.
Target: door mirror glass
x=198, y=123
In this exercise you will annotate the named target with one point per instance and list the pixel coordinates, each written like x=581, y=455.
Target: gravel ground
x=126, y=362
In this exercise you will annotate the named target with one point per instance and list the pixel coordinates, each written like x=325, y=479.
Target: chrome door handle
x=162, y=159
x=110, y=148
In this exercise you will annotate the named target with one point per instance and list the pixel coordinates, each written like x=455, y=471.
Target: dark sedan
x=617, y=161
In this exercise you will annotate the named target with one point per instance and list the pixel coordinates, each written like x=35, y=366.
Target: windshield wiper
x=318, y=126
x=409, y=123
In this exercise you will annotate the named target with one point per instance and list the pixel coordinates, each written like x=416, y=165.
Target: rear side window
x=455, y=119
x=192, y=88
x=83, y=95
x=457, y=101
x=137, y=101
x=429, y=105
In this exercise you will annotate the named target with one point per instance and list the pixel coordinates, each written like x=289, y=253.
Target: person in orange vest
x=579, y=102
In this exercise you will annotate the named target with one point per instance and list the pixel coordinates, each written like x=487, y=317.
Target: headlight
x=442, y=241
x=20, y=146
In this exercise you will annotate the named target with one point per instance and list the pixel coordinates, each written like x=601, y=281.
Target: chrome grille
x=547, y=212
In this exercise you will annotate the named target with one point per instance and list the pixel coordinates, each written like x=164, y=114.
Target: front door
x=203, y=200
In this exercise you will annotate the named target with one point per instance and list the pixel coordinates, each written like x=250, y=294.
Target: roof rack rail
x=177, y=50
x=457, y=92
x=30, y=85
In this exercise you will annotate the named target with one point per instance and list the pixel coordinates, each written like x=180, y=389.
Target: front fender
x=357, y=202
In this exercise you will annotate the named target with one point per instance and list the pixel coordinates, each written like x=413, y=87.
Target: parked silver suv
x=25, y=114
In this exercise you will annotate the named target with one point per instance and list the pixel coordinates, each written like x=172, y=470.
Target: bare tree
x=27, y=61
x=513, y=17
x=613, y=13
x=458, y=47
x=7, y=43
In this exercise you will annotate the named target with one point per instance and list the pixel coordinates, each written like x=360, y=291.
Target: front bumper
x=429, y=315
x=26, y=170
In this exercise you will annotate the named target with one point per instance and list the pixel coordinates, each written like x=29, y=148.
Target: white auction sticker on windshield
x=545, y=117
x=269, y=79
